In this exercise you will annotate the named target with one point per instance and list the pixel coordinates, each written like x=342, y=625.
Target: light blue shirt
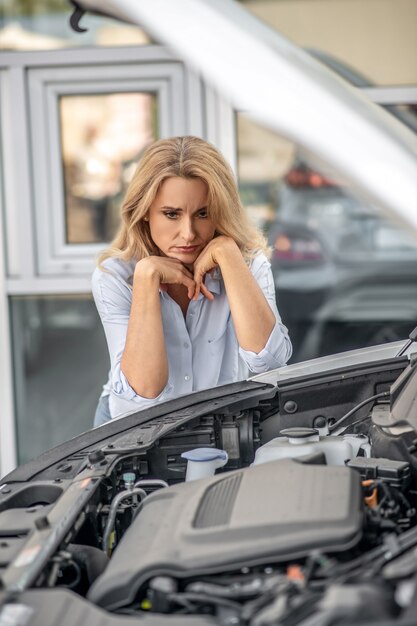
x=202, y=348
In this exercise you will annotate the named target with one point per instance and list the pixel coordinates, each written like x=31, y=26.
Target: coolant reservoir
x=297, y=442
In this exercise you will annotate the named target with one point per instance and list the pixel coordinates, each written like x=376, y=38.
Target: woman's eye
x=203, y=213
x=172, y=215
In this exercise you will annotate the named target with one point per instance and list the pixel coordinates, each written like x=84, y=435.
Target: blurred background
x=76, y=112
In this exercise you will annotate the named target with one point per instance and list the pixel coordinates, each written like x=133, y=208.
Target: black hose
x=336, y=425
x=93, y=559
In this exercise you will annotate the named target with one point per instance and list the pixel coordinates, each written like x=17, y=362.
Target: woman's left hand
x=209, y=259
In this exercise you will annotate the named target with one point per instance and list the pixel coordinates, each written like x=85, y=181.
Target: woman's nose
x=187, y=230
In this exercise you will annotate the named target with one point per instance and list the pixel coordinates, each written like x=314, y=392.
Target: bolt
x=319, y=421
x=97, y=456
x=290, y=406
x=41, y=523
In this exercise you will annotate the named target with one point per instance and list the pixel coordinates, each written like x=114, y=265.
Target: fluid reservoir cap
x=204, y=454
x=129, y=477
x=299, y=432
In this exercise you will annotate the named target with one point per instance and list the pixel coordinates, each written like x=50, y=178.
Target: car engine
x=310, y=521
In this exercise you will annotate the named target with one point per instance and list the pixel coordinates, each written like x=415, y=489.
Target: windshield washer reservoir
x=297, y=442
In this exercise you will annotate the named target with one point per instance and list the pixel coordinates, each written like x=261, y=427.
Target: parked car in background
x=345, y=276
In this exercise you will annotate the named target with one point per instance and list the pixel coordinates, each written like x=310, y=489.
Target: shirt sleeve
x=278, y=348
x=113, y=297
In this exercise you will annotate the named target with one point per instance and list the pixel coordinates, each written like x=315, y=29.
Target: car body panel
x=334, y=362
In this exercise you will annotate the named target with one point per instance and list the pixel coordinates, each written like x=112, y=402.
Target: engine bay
x=312, y=519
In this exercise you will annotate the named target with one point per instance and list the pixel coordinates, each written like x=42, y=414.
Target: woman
x=185, y=293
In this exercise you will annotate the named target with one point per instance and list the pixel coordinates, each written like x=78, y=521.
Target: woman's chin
x=188, y=263
x=186, y=258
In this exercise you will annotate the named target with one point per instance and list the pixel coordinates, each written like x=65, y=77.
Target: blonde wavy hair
x=186, y=157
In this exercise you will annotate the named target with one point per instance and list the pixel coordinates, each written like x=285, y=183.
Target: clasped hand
x=173, y=272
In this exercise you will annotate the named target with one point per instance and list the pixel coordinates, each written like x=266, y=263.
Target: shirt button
x=186, y=344
x=186, y=377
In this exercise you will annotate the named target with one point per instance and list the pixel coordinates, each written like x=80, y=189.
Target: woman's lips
x=186, y=249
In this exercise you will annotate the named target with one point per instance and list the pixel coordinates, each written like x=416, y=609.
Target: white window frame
x=166, y=81
x=38, y=259
x=8, y=452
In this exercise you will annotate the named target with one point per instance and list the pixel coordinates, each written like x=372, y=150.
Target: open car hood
x=284, y=88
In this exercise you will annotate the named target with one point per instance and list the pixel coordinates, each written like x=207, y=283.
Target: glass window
x=263, y=160
x=102, y=139
x=60, y=364
x=44, y=25
x=372, y=40
x=345, y=275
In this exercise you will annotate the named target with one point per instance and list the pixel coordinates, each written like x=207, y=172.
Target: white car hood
x=284, y=88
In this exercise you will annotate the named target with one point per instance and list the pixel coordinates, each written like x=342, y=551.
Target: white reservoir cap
x=203, y=462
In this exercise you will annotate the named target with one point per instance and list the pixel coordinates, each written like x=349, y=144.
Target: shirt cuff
x=121, y=389
x=276, y=352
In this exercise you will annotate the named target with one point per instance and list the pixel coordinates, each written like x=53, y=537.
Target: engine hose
x=117, y=500
x=91, y=558
x=151, y=482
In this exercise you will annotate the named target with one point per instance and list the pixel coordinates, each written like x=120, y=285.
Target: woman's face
x=178, y=219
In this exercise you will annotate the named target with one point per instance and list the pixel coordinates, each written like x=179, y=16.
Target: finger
x=198, y=278
x=188, y=273
x=198, y=283
x=190, y=284
x=206, y=292
x=187, y=279
x=191, y=291
x=196, y=291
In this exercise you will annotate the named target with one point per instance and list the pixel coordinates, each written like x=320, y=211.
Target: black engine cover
x=263, y=514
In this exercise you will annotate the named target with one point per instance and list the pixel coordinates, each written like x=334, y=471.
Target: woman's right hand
x=166, y=271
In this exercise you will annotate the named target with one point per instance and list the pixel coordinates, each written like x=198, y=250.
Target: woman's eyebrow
x=173, y=208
